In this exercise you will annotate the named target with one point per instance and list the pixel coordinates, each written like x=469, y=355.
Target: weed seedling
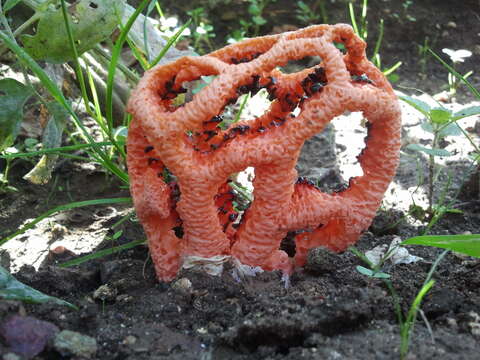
x=361, y=29
x=406, y=322
x=202, y=31
x=440, y=122
x=311, y=14
x=456, y=56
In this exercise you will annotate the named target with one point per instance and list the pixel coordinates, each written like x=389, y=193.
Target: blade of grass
x=102, y=253
x=379, y=41
x=242, y=106
x=392, y=68
x=352, y=18
x=96, y=104
x=53, y=150
x=78, y=69
x=69, y=206
x=115, y=59
x=169, y=43
x=408, y=325
x=138, y=54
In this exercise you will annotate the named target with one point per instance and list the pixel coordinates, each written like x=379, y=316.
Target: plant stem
x=431, y=169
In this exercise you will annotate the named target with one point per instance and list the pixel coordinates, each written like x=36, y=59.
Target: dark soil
x=329, y=311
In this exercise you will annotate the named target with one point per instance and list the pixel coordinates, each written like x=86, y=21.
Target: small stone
x=474, y=324
x=202, y=331
x=11, y=356
x=124, y=298
x=451, y=25
x=129, y=340
x=182, y=286
x=58, y=231
x=26, y=335
x=105, y=292
x=71, y=343
x=451, y=322
x=321, y=260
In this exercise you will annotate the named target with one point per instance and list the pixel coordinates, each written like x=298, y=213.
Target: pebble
x=105, y=292
x=321, y=260
x=124, y=298
x=71, y=343
x=474, y=324
x=129, y=340
x=183, y=286
x=11, y=356
x=26, y=335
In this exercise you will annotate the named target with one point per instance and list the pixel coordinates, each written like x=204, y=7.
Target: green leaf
x=419, y=105
x=253, y=9
x=92, y=21
x=426, y=126
x=304, y=7
x=433, y=152
x=12, y=289
x=465, y=244
x=13, y=96
x=450, y=130
x=440, y=115
x=258, y=20
x=9, y=4
x=370, y=273
x=469, y=111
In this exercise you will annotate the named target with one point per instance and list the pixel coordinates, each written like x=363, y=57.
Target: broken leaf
x=52, y=138
x=13, y=95
x=12, y=289
x=91, y=21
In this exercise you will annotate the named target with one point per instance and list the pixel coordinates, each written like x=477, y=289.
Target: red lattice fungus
x=192, y=215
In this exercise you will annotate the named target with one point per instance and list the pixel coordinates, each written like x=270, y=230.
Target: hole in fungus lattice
x=349, y=141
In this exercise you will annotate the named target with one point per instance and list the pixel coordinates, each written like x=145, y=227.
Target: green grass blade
x=352, y=18
x=115, y=59
x=69, y=206
x=102, y=253
x=138, y=55
x=78, y=69
x=465, y=244
x=408, y=325
x=392, y=68
x=169, y=43
x=379, y=41
x=242, y=106
x=54, y=150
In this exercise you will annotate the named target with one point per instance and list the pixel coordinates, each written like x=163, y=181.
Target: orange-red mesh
x=189, y=143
